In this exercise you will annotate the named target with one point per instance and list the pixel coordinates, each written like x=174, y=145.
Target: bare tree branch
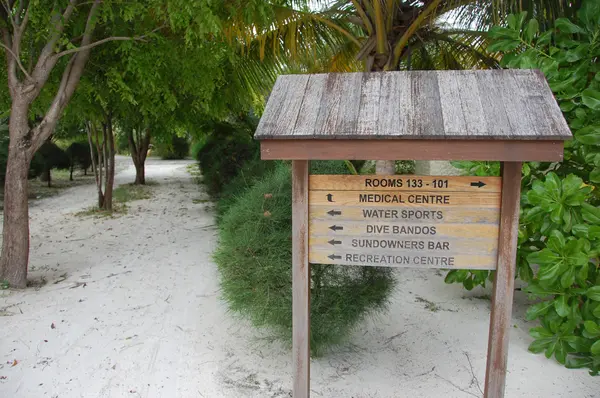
x=17, y=60
x=11, y=62
x=94, y=44
x=8, y=8
x=108, y=39
x=58, y=26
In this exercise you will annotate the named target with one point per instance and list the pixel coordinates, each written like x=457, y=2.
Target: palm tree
x=377, y=35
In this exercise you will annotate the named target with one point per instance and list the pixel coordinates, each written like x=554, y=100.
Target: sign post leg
x=502, y=297
x=300, y=280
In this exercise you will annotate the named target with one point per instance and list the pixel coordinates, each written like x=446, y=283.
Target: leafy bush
x=559, y=232
x=174, y=149
x=227, y=149
x=79, y=155
x=255, y=256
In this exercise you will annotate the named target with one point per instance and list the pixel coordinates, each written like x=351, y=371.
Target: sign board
x=502, y=115
x=404, y=221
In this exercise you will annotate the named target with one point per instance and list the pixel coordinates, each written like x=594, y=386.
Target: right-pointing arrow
x=478, y=184
x=334, y=257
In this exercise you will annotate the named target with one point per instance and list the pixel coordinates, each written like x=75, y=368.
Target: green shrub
x=254, y=258
x=227, y=149
x=174, y=149
x=249, y=174
x=559, y=232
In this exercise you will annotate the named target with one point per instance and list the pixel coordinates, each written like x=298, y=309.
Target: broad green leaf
x=592, y=328
x=591, y=213
x=540, y=333
x=531, y=29
x=595, y=175
x=504, y=45
x=579, y=344
x=574, y=362
x=539, y=291
x=593, y=293
x=539, y=309
x=595, y=348
x=543, y=257
x=557, y=241
x=561, y=305
x=589, y=135
x=566, y=26
x=570, y=185
x=591, y=98
x=540, y=345
x=568, y=278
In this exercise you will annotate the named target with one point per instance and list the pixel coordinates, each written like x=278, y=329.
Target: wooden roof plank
x=349, y=103
x=470, y=100
x=309, y=110
x=426, y=104
x=287, y=117
x=368, y=114
x=395, y=105
x=493, y=106
x=516, y=107
x=450, y=99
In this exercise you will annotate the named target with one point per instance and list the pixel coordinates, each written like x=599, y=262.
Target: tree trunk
x=15, y=243
x=47, y=177
x=109, y=162
x=140, y=174
x=385, y=167
x=139, y=152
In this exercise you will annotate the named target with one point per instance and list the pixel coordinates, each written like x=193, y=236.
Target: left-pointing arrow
x=334, y=213
x=335, y=242
x=336, y=228
x=334, y=257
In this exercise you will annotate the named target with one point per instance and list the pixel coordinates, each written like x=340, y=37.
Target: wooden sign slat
x=462, y=215
x=405, y=198
x=405, y=182
x=401, y=244
x=354, y=228
x=412, y=260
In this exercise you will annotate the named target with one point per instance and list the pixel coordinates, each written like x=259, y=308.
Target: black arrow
x=330, y=197
x=334, y=242
x=336, y=228
x=478, y=184
x=334, y=213
x=334, y=257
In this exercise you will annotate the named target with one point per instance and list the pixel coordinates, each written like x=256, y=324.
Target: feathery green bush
x=254, y=258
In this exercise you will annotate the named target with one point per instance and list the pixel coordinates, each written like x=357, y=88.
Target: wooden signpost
x=405, y=220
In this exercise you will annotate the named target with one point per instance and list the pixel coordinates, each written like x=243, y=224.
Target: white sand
x=136, y=312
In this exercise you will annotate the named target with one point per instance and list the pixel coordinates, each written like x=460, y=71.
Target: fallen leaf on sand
x=15, y=362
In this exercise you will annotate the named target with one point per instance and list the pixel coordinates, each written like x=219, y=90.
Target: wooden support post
x=300, y=280
x=502, y=297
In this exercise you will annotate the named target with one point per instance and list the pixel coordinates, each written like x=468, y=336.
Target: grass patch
x=117, y=210
x=130, y=192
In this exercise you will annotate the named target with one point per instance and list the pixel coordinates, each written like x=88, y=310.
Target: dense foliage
x=255, y=256
x=559, y=234
x=174, y=148
x=226, y=150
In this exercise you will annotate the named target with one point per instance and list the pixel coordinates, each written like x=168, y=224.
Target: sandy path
x=131, y=309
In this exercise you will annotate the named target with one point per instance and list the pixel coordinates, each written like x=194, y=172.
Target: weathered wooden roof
x=474, y=104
